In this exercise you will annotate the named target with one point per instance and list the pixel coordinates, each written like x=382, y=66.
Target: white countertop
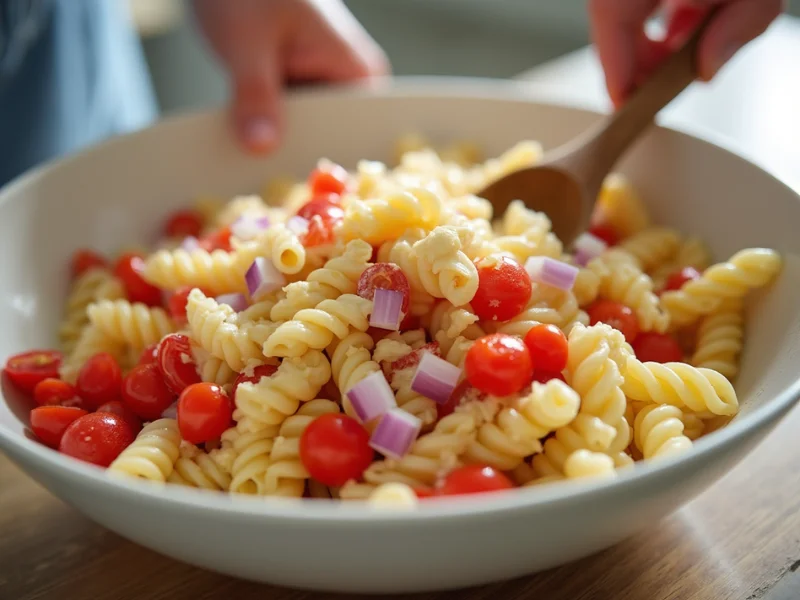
x=754, y=102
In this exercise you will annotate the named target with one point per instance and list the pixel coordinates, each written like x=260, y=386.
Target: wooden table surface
x=740, y=540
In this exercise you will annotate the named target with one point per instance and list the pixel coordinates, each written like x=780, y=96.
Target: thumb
x=257, y=107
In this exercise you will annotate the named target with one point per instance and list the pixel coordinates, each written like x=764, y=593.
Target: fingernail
x=259, y=133
x=724, y=56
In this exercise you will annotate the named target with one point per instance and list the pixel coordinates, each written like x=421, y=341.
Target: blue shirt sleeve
x=72, y=72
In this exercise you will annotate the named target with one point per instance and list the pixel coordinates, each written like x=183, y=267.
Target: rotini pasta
x=136, y=325
x=720, y=339
x=153, y=453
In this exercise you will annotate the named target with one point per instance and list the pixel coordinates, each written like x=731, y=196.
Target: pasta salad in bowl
x=373, y=336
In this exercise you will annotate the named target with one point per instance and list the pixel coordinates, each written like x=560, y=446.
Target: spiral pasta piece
x=286, y=475
x=198, y=469
x=583, y=464
x=213, y=370
x=447, y=322
x=377, y=220
x=619, y=206
x=396, y=345
x=731, y=280
x=658, y=431
x=410, y=401
x=652, y=247
x=401, y=253
x=315, y=328
x=547, y=305
x=136, y=324
x=92, y=286
x=351, y=361
x=691, y=253
x=153, y=453
x=681, y=385
x=282, y=247
x=720, y=340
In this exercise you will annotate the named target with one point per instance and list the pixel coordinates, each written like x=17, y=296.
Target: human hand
x=267, y=44
x=628, y=55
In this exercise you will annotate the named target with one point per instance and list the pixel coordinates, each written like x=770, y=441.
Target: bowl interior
x=118, y=194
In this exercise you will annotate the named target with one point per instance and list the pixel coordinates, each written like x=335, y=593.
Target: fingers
x=257, y=109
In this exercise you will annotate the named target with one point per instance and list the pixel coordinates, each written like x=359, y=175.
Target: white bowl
x=119, y=192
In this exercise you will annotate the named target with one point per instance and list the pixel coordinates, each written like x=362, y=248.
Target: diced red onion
x=297, y=225
x=371, y=397
x=435, y=378
x=550, y=271
x=587, y=247
x=248, y=227
x=395, y=433
x=190, y=243
x=171, y=412
x=262, y=278
x=236, y=301
x=386, y=309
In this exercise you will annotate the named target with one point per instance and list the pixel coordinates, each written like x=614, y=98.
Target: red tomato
x=320, y=232
x=184, y=223
x=176, y=305
x=54, y=392
x=326, y=206
x=374, y=257
x=616, y=315
x=83, y=260
x=99, y=380
x=50, y=422
x=128, y=269
x=335, y=448
x=259, y=372
x=27, y=369
x=464, y=391
x=331, y=180
x=473, y=479
x=175, y=360
x=545, y=376
x=424, y=493
x=499, y=364
x=657, y=347
x=409, y=322
x=504, y=288
x=677, y=280
x=204, y=412
x=548, y=347
x=149, y=355
x=386, y=276
x=606, y=233
x=145, y=392
x=217, y=240
x=115, y=407
x=97, y=438
x=412, y=359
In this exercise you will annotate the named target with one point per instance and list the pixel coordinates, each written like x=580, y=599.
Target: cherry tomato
x=548, y=347
x=677, y=280
x=259, y=372
x=217, y=240
x=335, y=448
x=50, y=422
x=149, y=355
x=386, y=276
x=319, y=233
x=27, y=369
x=409, y=322
x=326, y=206
x=412, y=359
x=504, y=288
x=145, y=392
x=97, y=438
x=204, y=412
x=463, y=392
x=657, y=347
x=545, y=376
x=184, y=223
x=99, y=380
x=83, y=260
x=424, y=493
x=129, y=268
x=54, y=392
x=606, y=233
x=473, y=479
x=616, y=315
x=330, y=180
x=175, y=360
x=176, y=305
x=115, y=407
x=499, y=364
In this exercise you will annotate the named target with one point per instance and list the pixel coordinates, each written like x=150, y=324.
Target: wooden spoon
x=566, y=183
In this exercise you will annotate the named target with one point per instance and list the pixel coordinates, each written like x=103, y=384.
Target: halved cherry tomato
x=386, y=276
x=326, y=206
x=54, y=392
x=548, y=346
x=176, y=363
x=463, y=392
x=149, y=355
x=606, y=233
x=545, y=376
x=217, y=240
x=657, y=347
x=84, y=259
x=330, y=180
x=27, y=369
x=616, y=315
x=50, y=422
x=499, y=364
x=677, y=280
x=99, y=380
x=319, y=233
x=504, y=288
x=412, y=359
x=176, y=305
x=259, y=372
x=129, y=268
x=145, y=392
x=115, y=407
x=184, y=223
x=204, y=412
x=473, y=479
x=97, y=438
x=335, y=448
